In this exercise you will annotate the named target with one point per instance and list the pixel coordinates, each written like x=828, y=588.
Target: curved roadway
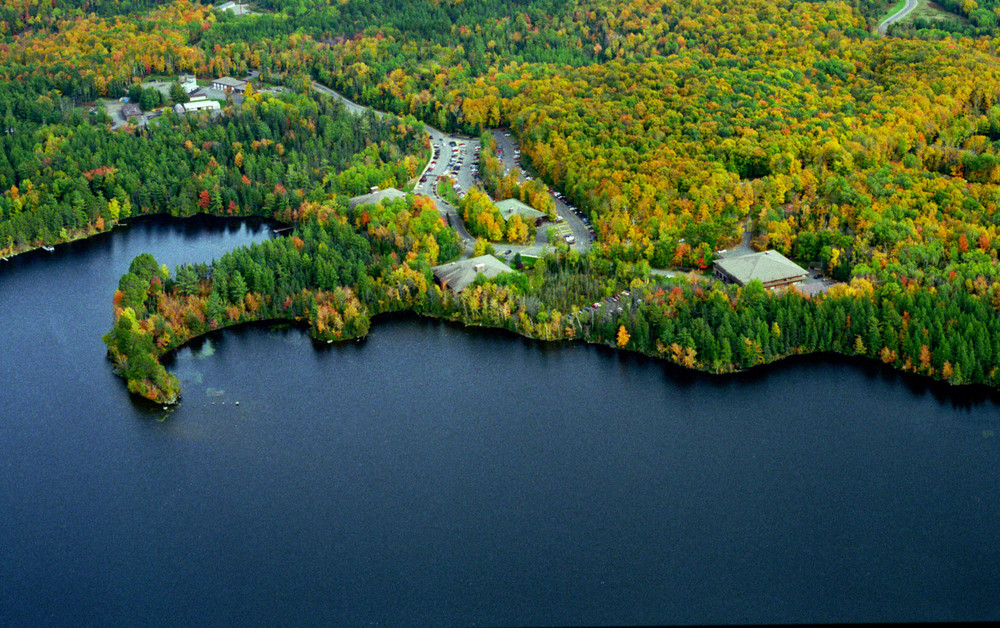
x=464, y=150
x=895, y=17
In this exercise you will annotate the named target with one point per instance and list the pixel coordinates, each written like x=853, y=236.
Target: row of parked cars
x=614, y=303
x=578, y=212
x=586, y=221
x=434, y=160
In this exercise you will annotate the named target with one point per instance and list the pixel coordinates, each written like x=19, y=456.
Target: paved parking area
x=457, y=157
x=161, y=86
x=574, y=222
x=563, y=230
x=815, y=284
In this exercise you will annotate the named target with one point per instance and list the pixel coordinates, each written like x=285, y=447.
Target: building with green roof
x=771, y=268
x=457, y=276
x=513, y=206
x=376, y=196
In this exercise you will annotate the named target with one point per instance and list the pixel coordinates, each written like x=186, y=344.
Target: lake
x=432, y=474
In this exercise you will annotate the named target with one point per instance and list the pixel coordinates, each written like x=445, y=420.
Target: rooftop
x=513, y=206
x=229, y=81
x=767, y=267
x=236, y=8
x=196, y=105
x=131, y=109
x=458, y=275
x=373, y=198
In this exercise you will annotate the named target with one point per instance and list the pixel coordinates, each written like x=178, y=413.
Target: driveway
x=741, y=249
x=892, y=19
x=574, y=222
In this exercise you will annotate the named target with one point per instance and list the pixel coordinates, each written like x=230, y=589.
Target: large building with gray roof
x=457, y=276
x=771, y=268
x=376, y=196
x=230, y=85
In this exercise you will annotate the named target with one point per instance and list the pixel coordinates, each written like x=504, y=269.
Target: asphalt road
x=892, y=19
x=458, y=161
x=572, y=221
x=350, y=105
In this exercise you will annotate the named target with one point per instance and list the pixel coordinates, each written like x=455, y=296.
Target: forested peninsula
x=675, y=127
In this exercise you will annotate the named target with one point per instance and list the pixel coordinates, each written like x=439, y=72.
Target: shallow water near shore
x=433, y=474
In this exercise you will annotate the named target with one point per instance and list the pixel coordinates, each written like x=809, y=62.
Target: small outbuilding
x=513, y=206
x=130, y=110
x=457, y=276
x=771, y=268
x=376, y=196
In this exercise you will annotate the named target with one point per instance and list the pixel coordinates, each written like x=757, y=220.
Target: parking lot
x=575, y=223
x=453, y=156
x=608, y=307
x=456, y=157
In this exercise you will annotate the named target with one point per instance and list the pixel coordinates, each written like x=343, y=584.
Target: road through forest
x=892, y=19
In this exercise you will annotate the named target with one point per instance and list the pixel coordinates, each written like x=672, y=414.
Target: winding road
x=895, y=17
x=441, y=146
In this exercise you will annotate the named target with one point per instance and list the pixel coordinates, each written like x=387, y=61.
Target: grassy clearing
x=932, y=11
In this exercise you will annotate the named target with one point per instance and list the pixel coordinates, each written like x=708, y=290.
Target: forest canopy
x=676, y=126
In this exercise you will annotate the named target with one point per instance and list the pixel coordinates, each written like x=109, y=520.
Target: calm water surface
x=432, y=474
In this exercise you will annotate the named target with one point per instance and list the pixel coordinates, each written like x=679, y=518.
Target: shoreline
x=86, y=235
x=75, y=236
x=976, y=390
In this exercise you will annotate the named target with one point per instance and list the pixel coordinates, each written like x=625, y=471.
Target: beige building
x=230, y=85
x=771, y=268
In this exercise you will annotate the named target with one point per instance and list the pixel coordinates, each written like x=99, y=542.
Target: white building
x=188, y=83
x=197, y=104
x=236, y=8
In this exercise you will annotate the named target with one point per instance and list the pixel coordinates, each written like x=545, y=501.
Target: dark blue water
x=436, y=475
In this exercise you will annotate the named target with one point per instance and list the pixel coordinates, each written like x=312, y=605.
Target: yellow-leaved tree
x=623, y=336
